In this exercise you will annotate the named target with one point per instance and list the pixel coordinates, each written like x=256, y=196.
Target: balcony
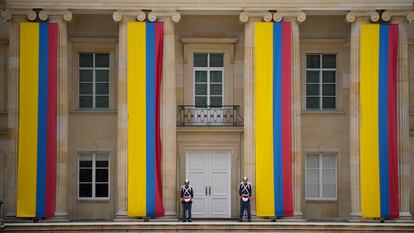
x=225, y=116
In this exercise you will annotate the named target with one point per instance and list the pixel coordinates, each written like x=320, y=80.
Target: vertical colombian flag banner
x=378, y=130
x=272, y=44
x=145, y=57
x=36, y=185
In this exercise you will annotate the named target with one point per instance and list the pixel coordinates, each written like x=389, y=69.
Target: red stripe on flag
x=50, y=199
x=392, y=120
x=286, y=118
x=159, y=51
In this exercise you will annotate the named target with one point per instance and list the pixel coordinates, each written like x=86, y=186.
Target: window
x=321, y=82
x=208, y=79
x=94, y=80
x=93, y=176
x=321, y=176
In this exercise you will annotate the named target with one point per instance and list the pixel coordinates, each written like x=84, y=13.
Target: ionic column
x=295, y=17
x=61, y=18
x=168, y=112
x=121, y=204
x=401, y=18
x=13, y=110
x=249, y=159
x=356, y=18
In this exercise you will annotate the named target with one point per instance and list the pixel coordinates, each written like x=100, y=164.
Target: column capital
x=245, y=15
x=175, y=15
x=8, y=14
x=65, y=14
x=117, y=16
x=299, y=15
x=352, y=15
x=387, y=15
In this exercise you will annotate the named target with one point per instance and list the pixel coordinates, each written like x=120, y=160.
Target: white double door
x=209, y=173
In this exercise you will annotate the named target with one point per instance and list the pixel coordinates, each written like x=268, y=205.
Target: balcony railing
x=225, y=116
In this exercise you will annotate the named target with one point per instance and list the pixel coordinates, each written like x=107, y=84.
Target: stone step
x=209, y=226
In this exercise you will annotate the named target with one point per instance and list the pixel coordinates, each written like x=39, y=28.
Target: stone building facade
x=92, y=114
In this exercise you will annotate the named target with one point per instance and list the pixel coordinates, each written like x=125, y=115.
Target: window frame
x=320, y=173
x=94, y=82
x=208, y=69
x=321, y=70
x=94, y=155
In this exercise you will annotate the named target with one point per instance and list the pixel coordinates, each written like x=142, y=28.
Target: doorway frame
x=234, y=146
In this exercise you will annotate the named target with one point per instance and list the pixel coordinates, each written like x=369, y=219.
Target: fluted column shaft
x=403, y=117
x=249, y=159
x=62, y=119
x=296, y=120
x=13, y=114
x=354, y=116
x=122, y=143
x=168, y=118
x=3, y=84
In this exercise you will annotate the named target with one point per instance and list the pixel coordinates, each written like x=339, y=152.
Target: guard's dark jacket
x=245, y=191
x=187, y=193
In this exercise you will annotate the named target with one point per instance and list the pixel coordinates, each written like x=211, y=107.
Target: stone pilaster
x=295, y=18
x=249, y=159
x=61, y=18
x=356, y=18
x=121, y=212
x=401, y=19
x=13, y=111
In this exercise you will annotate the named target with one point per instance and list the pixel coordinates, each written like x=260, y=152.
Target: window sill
x=93, y=200
x=93, y=112
x=323, y=113
x=321, y=200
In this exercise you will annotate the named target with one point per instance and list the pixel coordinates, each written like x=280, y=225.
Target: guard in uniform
x=245, y=192
x=187, y=195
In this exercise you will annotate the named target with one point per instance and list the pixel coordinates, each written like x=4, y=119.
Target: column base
x=355, y=217
x=170, y=216
x=294, y=218
x=11, y=217
x=61, y=216
x=122, y=216
x=297, y=217
x=405, y=217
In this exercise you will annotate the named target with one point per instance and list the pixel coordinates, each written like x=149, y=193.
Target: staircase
x=209, y=226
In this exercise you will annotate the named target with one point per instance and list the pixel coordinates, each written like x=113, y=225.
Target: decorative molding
x=175, y=16
x=299, y=15
x=213, y=5
x=118, y=15
x=209, y=40
x=66, y=14
x=352, y=15
x=387, y=15
x=244, y=16
x=8, y=14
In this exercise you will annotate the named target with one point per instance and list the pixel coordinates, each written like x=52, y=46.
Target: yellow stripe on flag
x=28, y=115
x=136, y=119
x=263, y=46
x=369, y=154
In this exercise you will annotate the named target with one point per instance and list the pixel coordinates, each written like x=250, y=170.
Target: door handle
x=206, y=190
x=209, y=190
